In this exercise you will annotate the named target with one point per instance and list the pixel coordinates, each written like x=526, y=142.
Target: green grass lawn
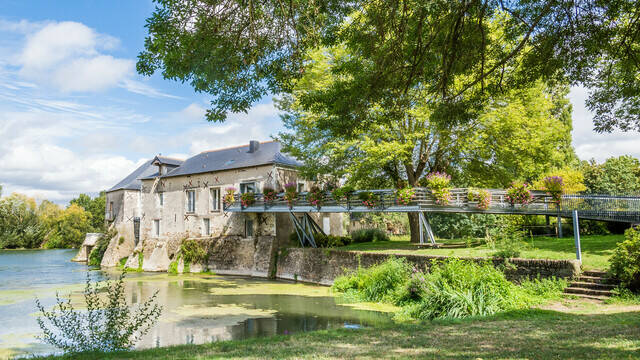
x=596, y=249
x=588, y=332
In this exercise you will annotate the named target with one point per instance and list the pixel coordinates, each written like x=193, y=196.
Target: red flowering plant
x=554, y=186
x=368, y=198
x=481, y=196
x=519, y=193
x=247, y=199
x=439, y=184
x=229, y=196
x=315, y=196
x=405, y=196
x=269, y=194
x=290, y=193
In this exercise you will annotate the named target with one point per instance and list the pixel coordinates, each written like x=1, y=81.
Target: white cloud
x=138, y=87
x=599, y=146
x=91, y=74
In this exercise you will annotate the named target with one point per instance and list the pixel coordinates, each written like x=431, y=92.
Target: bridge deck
x=594, y=207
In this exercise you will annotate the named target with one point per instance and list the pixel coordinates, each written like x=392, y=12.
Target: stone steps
x=592, y=284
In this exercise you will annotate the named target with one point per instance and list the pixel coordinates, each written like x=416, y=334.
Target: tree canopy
x=454, y=54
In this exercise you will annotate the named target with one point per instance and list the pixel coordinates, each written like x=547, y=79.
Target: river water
x=196, y=308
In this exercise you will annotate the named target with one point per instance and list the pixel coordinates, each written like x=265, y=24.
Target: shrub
x=247, y=199
x=315, y=196
x=290, y=192
x=456, y=289
x=106, y=324
x=194, y=251
x=97, y=253
x=269, y=194
x=624, y=264
x=519, y=193
x=368, y=198
x=508, y=239
x=554, y=186
x=405, y=196
x=368, y=235
x=548, y=288
x=341, y=193
x=229, y=196
x=329, y=241
x=481, y=196
x=439, y=184
x=381, y=282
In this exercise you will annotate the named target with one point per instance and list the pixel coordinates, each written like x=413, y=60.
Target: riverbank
x=569, y=329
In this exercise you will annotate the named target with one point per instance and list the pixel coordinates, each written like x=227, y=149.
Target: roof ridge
x=236, y=146
x=169, y=157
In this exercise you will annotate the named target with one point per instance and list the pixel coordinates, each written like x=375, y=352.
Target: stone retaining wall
x=322, y=266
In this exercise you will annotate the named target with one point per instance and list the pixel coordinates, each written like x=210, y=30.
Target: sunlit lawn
x=596, y=249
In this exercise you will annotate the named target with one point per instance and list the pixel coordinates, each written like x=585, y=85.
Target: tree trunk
x=414, y=227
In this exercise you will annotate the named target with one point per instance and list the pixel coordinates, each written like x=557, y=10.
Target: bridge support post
x=425, y=227
x=559, y=226
x=576, y=234
x=305, y=229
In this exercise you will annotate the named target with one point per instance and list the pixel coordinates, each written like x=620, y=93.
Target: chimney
x=254, y=146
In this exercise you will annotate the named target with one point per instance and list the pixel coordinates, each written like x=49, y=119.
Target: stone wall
x=322, y=266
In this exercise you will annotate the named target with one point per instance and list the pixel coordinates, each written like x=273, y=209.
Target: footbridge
x=592, y=207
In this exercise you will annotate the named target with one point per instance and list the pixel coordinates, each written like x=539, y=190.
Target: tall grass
x=452, y=288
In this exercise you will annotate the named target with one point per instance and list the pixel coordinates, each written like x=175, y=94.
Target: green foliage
x=405, y=195
x=140, y=261
x=194, y=251
x=368, y=198
x=330, y=241
x=461, y=225
x=377, y=283
x=481, y=196
x=106, y=324
x=519, y=193
x=97, y=253
x=544, y=289
x=341, y=193
x=20, y=223
x=439, y=184
x=508, y=239
x=247, y=199
x=368, y=235
x=624, y=296
x=290, y=192
x=70, y=228
x=617, y=176
x=96, y=207
x=173, y=267
x=269, y=194
x=315, y=196
x=572, y=180
x=122, y=262
x=625, y=261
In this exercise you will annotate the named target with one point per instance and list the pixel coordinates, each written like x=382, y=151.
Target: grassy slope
x=599, y=332
x=595, y=249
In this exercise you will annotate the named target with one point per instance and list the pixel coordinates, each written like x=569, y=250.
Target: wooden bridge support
x=305, y=229
x=425, y=228
x=576, y=234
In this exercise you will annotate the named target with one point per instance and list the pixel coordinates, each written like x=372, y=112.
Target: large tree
x=516, y=136
x=240, y=50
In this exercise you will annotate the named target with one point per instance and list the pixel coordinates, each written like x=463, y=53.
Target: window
x=111, y=210
x=156, y=228
x=191, y=201
x=206, y=230
x=248, y=187
x=160, y=199
x=248, y=228
x=300, y=187
x=215, y=199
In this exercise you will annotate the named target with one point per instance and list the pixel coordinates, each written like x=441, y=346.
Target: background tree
x=617, y=175
x=95, y=206
x=20, y=226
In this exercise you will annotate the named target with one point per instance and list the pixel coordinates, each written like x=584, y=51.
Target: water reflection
x=197, y=309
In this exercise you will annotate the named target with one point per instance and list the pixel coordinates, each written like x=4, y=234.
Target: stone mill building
x=166, y=201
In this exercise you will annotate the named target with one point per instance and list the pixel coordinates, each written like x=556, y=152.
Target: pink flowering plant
x=247, y=199
x=439, y=184
x=315, y=196
x=368, y=198
x=269, y=194
x=554, y=186
x=228, y=198
x=519, y=193
x=481, y=196
x=405, y=196
x=290, y=192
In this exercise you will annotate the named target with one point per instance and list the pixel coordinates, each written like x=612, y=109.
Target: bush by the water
x=107, y=324
x=194, y=251
x=625, y=261
x=451, y=289
x=368, y=235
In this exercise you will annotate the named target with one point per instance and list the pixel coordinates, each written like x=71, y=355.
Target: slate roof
x=132, y=181
x=233, y=158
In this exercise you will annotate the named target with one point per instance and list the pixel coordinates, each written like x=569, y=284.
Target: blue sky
x=75, y=117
